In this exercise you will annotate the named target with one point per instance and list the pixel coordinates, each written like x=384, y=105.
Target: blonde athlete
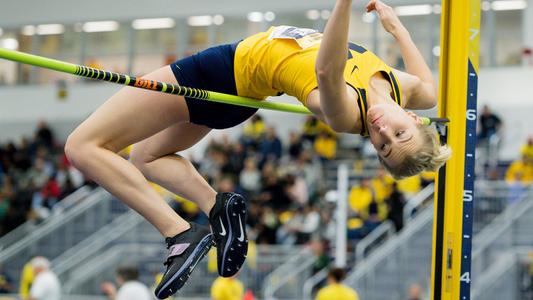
x=342, y=83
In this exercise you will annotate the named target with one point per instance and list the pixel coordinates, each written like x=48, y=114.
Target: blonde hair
x=431, y=156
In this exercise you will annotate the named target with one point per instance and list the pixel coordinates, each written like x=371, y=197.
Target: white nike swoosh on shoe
x=223, y=233
x=241, y=238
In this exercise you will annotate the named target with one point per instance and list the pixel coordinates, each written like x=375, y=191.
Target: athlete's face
x=393, y=132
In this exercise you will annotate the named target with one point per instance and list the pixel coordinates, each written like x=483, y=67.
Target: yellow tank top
x=282, y=60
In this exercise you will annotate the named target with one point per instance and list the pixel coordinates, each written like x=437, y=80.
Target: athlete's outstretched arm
x=335, y=98
x=421, y=89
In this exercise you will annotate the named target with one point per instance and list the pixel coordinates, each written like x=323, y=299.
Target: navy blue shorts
x=212, y=70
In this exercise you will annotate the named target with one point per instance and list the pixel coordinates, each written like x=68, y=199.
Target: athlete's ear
x=415, y=117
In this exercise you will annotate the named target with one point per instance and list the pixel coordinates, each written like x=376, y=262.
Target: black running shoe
x=228, y=221
x=185, y=251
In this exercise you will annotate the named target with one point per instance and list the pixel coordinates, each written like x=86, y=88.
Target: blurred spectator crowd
x=285, y=185
x=34, y=176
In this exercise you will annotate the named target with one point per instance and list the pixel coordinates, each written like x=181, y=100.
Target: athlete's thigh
x=133, y=114
x=173, y=139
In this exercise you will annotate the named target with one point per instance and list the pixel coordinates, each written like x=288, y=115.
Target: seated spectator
x=44, y=135
x=26, y=279
x=520, y=170
x=336, y=290
x=304, y=224
x=267, y=227
x=410, y=185
x=322, y=259
x=414, y=292
x=360, y=198
x=270, y=146
x=527, y=149
x=296, y=189
x=396, y=202
x=490, y=124
x=45, y=285
x=129, y=286
x=227, y=289
x=382, y=185
x=252, y=131
x=310, y=129
x=295, y=145
x=325, y=146
x=373, y=220
x=6, y=284
x=250, y=177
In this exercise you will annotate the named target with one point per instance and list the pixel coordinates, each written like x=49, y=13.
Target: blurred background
x=286, y=164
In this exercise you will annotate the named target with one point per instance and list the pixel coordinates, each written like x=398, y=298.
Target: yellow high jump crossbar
x=452, y=228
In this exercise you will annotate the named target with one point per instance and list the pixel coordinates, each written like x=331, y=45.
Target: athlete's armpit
x=417, y=93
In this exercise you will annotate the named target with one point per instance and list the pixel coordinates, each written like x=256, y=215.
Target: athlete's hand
x=387, y=16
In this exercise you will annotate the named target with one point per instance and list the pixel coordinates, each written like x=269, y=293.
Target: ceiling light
x=485, y=5
x=413, y=10
x=9, y=43
x=102, y=26
x=200, y=21
x=436, y=51
x=509, y=5
x=255, y=16
x=313, y=14
x=325, y=14
x=158, y=23
x=47, y=29
x=269, y=16
x=28, y=30
x=218, y=19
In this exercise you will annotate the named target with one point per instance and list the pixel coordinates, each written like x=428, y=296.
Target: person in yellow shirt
x=227, y=289
x=335, y=290
x=326, y=146
x=520, y=170
x=26, y=278
x=360, y=198
x=527, y=150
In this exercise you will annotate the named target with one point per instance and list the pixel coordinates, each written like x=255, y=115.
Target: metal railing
x=284, y=281
x=60, y=233
x=414, y=204
x=95, y=243
x=375, y=239
x=27, y=227
x=66, y=297
x=312, y=282
x=386, y=273
x=492, y=198
x=507, y=278
x=148, y=257
x=513, y=227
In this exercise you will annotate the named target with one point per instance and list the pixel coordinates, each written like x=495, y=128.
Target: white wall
x=24, y=12
x=508, y=91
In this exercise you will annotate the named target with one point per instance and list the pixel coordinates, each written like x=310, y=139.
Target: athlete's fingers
x=371, y=5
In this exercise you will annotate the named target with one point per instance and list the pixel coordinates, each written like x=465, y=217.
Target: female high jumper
x=342, y=83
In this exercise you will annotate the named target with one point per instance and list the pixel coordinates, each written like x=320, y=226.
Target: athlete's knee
x=74, y=148
x=80, y=150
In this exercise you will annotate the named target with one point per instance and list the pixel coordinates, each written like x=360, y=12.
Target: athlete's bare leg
x=128, y=117
x=156, y=158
